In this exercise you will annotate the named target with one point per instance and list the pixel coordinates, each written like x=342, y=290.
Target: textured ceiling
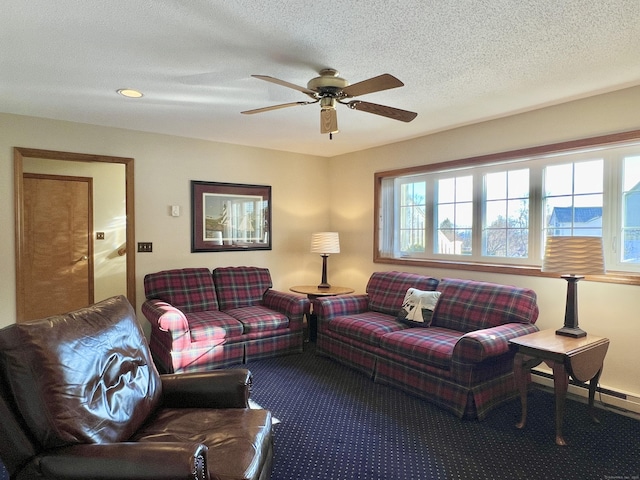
x=462, y=61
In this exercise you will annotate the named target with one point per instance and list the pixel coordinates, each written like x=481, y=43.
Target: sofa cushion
x=241, y=286
x=417, y=307
x=189, y=289
x=467, y=305
x=82, y=377
x=386, y=290
x=432, y=346
x=213, y=326
x=367, y=327
x=259, y=319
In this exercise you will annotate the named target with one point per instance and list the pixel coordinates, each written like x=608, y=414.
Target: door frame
x=19, y=153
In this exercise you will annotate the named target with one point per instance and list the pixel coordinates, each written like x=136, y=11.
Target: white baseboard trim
x=619, y=402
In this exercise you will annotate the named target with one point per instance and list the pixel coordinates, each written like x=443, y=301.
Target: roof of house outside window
x=575, y=214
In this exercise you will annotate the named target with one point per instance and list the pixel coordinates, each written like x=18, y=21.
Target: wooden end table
x=312, y=292
x=580, y=358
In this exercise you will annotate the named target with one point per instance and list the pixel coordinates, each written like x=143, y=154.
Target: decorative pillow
x=418, y=306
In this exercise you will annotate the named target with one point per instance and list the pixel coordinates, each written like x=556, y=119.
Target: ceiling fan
x=329, y=88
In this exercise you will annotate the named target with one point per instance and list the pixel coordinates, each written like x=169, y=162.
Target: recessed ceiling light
x=129, y=93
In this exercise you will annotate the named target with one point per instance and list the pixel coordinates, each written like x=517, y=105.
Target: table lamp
x=573, y=257
x=325, y=243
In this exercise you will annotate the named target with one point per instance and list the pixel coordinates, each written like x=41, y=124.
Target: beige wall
x=302, y=185
x=164, y=167
x=605, y=309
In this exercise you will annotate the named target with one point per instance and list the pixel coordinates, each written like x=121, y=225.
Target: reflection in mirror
x=111, y=220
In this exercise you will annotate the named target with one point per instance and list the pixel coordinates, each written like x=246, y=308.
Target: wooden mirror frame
x=19, y=154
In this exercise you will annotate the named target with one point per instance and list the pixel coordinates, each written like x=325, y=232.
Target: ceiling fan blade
x=375, y=84
x=390, y=112
x=328, y=120
x=277, y=81
x=275, y=107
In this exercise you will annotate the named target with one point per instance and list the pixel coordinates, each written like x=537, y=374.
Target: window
x=493, y=213
x=630, y=223
x=573, y=195
x=454, y=215
x=412, y=204
x=506, y=214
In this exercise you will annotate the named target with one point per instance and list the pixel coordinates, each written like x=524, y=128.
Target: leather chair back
x=17, y=446
x=83, y=377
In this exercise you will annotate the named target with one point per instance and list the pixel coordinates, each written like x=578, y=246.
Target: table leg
x=560, y=385
x=313, y=327
x=520, y=375
x=312, y=318
x=593, y=384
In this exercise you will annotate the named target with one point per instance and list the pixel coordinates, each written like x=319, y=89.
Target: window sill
x=624, y=278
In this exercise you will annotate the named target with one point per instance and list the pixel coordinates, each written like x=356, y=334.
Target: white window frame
x=611, y=148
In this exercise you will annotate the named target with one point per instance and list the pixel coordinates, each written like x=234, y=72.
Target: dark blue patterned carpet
x=337, y=424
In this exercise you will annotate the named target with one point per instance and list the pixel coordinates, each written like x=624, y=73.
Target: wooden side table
x=580, y=358
x=312, y=292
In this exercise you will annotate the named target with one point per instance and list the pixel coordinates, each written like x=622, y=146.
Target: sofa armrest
x=164, y=316
x=479, y=345
x=293, y=306
x=214, y=389
x=125, y=460
x=327, y=308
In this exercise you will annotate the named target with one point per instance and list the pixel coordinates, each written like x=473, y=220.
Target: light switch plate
x=175, y=210
x=145, y=247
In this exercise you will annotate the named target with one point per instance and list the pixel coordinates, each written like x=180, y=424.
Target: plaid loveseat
x=462, y=361
x=201, y=320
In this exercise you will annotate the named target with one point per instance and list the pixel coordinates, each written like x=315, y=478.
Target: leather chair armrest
x=126, y=460
x=215, y=389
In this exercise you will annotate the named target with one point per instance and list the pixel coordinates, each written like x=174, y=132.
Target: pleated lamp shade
x=325, y=242
x=574, y=255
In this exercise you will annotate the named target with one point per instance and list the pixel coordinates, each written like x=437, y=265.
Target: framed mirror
x=68, y=258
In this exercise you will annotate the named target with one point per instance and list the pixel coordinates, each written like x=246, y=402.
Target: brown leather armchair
x=81, y=399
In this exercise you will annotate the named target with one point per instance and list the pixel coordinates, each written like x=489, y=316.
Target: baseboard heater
x=616, y=399
x=599, y=389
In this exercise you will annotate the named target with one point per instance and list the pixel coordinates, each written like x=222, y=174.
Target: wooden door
x=57, y=245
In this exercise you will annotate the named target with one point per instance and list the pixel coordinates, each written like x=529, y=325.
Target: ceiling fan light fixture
x=328, y=121
x=327, y=103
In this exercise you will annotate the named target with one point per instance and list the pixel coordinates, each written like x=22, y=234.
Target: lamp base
x=574, y=332
x=571, y=328
x=324, y=284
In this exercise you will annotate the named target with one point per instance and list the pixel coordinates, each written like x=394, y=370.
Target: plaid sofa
x=201, y=320
x=462, y=362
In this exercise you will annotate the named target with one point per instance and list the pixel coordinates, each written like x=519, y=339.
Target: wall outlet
x=99, y=235
x=145, y=247
x=175, y=210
